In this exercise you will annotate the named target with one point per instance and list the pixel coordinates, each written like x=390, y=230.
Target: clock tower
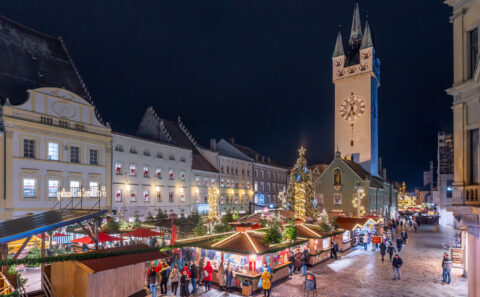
x=356, y=76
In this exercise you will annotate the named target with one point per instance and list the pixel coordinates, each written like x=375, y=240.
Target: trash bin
x=247, y=288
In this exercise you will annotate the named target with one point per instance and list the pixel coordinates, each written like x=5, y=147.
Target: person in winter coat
x=391, y=250
x=221, y=276
x=397, y=264
x=164, y=273
x=207, y=276
x=298, y=261
x=230, y=278
x=193, y=276
x=334, y=249
x=262, y=269
x=399, y=243
x=365, y=241
x=404, y=236
x=305, y=259
x=291, y=259
x=174, y=279
x=184, y=284
x=446, y=267
x=201, y=265
x=383, y=249
x=266, y=283
x=151, y=279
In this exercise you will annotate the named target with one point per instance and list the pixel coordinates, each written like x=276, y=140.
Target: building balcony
x=471, y=194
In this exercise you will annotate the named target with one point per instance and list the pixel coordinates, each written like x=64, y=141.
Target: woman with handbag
x=207, y=276
x=229, y=278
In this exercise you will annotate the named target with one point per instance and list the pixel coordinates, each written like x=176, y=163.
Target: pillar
x=473, y=265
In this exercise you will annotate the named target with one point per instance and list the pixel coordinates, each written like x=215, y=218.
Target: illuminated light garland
x=251, y=242
x=213, y=193
x=225, y=239
x=357, y=201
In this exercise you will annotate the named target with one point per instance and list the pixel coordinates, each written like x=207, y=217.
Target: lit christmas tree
x=300, y=189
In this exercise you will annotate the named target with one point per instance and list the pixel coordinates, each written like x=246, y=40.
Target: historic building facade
x=466, y=124
x=148, y=176
x=52, y=136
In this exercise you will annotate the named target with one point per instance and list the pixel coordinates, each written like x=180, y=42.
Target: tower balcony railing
x=472, y=194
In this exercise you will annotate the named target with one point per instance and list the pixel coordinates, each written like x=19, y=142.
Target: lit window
x=248, y=185
x=118, y=168
x=119, y=148
x=133, y=150
x=93, y=157
x=171, y=174
x=205, y=181
x=146, y=153
x=74, y=154
x=29, y=148
x=170, y=196
x=75, y=188
x=146, y=196
x=256, y=186
x=133, y=196
x=158, y=173
x=53, y=187
x=197, y=180
x=133, y=169
x=53, y=151
x=159, y=195
x=212, y=182
x=473, y=51
x=337, y=198
x=93, y=186
x=146, y=171
x=29, y=188
x=182, y=175
x=222, y=182
x=159, y=155
x=118, y=195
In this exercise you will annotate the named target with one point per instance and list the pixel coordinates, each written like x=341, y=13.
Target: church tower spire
x=367, y=37
x=338, y=51
x=356, y=32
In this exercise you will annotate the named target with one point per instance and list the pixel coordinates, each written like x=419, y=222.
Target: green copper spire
x=338, y=51
x=367, y=37
x=356, y=32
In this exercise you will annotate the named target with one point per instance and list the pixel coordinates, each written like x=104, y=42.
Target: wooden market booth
x=354, y=227
x=122, y=275
x=319, y=245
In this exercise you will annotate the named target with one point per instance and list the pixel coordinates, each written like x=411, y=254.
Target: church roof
x=338, y=51
x=375, y=181
x=31, y=60
x=356, y=32
x=367, y=38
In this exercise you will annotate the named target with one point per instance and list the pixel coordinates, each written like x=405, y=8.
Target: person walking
x=221, y=276
x=305, y=259
x=397, y=264
x=184, y=284
x=334, y=249
x=365, y=241
x=399, y=243
x=383, y=249
x=391, y=250
x=298, y=261
x=229, y=278
x=193, y=276
x=152, y=278
x=207, y=276
x=265, y=267
x=164, y=273
x=291, y=259
x=266, y=283
x=447, y=267
x=174, y=279
x=405, y=236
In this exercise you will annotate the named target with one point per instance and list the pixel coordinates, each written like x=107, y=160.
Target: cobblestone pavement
x=362, y=273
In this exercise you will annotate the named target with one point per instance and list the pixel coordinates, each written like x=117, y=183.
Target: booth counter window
x=326, y=243
x=346, y=236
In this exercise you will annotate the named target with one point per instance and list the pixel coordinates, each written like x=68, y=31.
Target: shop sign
x=94, y=193
x=376, y=239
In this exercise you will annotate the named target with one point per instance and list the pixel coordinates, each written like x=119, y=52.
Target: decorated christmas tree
x=324, y=225
x=300, y=189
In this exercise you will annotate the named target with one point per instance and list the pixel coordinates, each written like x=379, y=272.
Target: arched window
x=133, y=150
x=337, y=177
x=171, y=157
x=146, y=153
x=159, y=155
x=118, y=148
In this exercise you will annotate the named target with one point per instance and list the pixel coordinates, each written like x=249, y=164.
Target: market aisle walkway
x=362, y=273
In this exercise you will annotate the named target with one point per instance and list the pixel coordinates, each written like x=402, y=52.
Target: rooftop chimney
x=268, y=160
x=232, y=140
x=385, y=173
x=213, y=144
x=256, y=157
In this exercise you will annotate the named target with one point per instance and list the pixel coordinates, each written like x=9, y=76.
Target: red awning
x=59, y=234
x=102, y=237
x=143, y=232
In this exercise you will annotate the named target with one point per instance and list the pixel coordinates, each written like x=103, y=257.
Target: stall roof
x=257, y=217
x=15, y=229
x=349, y=223
x=107, y=263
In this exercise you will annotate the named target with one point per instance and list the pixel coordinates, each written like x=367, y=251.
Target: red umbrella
x=173, y=238
x=143, y=232
x=102, y=237
x=40, y=235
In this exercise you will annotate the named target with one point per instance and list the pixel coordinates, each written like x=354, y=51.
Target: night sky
x=259, y=71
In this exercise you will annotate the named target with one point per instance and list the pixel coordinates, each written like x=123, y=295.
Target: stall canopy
x=143, y=232
x=102, y=237
x=258, y=217
x=16, y=229
x=348, y=223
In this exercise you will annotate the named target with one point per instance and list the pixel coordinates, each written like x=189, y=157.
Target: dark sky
x=259, y=71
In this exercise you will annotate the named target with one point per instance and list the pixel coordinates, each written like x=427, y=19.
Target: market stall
x=357, y=227
x=319, y=245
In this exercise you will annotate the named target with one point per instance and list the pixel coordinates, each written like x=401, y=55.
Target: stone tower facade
x=356, y=76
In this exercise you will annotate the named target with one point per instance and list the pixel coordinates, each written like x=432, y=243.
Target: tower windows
x=473, y=38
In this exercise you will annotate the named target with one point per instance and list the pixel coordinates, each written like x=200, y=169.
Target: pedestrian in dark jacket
x=334, y=249
x=291, y=259
x=298, y=261
x=184, y=285
x=397, y=264
x=305, y=259
x=152, y=278
x=446, y=267
x=399, y=244
x=193, y=276
x=391, y=250
x=383, y=249
x=404, y=236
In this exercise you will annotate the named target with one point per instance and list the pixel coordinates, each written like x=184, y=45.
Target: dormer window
x=159, y=155
x=182, y=159
x=171, y=157
x=146, y=153
x=133, y=150
x=118, y=148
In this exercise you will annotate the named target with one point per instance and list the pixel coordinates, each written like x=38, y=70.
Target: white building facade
x=148, y=176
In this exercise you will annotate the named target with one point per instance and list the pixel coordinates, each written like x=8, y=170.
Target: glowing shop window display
x=326, y=243
x=346, y=235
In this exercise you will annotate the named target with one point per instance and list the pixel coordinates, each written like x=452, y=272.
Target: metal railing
x=47, y=286
x=471, y=194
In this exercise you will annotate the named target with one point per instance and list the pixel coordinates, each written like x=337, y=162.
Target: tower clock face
x=352, y=108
